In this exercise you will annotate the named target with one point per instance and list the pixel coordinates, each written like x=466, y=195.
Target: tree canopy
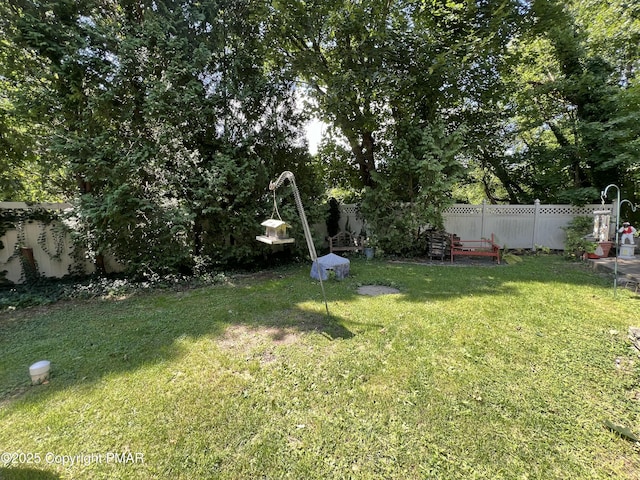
x=164, y=120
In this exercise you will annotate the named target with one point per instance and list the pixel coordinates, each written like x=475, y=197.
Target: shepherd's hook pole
x=287, y=175
x=603, y=194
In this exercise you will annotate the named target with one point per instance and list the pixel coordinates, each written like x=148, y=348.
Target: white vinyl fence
x=514, y=226
x=47, y=245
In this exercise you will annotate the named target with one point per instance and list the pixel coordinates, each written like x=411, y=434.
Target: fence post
x=536, y=212
x=482, y=220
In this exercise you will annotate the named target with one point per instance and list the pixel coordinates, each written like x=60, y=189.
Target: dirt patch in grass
x=10, y=397
x=245, y=337
x=375, y=290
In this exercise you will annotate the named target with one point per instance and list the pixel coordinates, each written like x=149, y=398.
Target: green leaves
x=567, y=104
x=158, y=113
x=411, y=188
x=186, y=109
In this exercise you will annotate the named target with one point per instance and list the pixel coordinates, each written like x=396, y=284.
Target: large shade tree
x=168, y=119
x=170, y=116
x=392, y=77
x=27, y=173
x=564, y=124
x=371, y=66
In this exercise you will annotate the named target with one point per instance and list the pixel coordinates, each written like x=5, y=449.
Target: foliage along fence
x=514, y=226
x=33, y=240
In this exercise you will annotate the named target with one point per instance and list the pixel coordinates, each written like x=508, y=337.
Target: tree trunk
x=580, y=178
x=514, y=191
x=363, y=150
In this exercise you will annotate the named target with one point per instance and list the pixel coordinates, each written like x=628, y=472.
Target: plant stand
x=339, y=265
x=627, y=251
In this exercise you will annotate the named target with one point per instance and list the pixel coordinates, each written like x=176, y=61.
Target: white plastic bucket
x=39, y=371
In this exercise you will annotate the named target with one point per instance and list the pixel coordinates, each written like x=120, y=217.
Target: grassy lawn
x=470, y=372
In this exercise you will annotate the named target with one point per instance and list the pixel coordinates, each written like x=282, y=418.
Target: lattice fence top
x=567, y=209
x=349, y=209
x=510, y=210
x=504, y=210
x=517, y=210
x=464, y=210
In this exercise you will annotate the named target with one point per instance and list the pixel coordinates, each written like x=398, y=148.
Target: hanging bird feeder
x=275, y=232
x=275, y=228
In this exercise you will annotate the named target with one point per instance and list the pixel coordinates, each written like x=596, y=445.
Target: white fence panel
x=466, y=221
x=553, y=217
x=10, y=263
x=52, y=252
x=350, y=220
x=517, y=226
x=514, y=226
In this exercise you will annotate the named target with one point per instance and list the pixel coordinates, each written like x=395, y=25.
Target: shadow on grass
x=329, y=326
x=280, y=325
x=441, y=281
x=87, y=341
x=26, y=474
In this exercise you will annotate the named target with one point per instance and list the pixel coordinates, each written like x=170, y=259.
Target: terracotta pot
x=606, y=248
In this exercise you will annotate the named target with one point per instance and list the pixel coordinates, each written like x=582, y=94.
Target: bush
x=411, y=187
x=578, y=241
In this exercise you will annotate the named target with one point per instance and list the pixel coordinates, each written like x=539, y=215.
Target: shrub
x=578, y=241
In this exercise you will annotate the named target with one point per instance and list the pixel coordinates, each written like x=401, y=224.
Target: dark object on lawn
x=634, y=336
x=624, y=432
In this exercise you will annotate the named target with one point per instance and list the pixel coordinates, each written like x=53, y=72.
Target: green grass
x=470, y=372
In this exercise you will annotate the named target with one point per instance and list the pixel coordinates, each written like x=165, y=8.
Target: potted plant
x=603, y=249
x=590, y=250
x=370, y=247
x=580, y=242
